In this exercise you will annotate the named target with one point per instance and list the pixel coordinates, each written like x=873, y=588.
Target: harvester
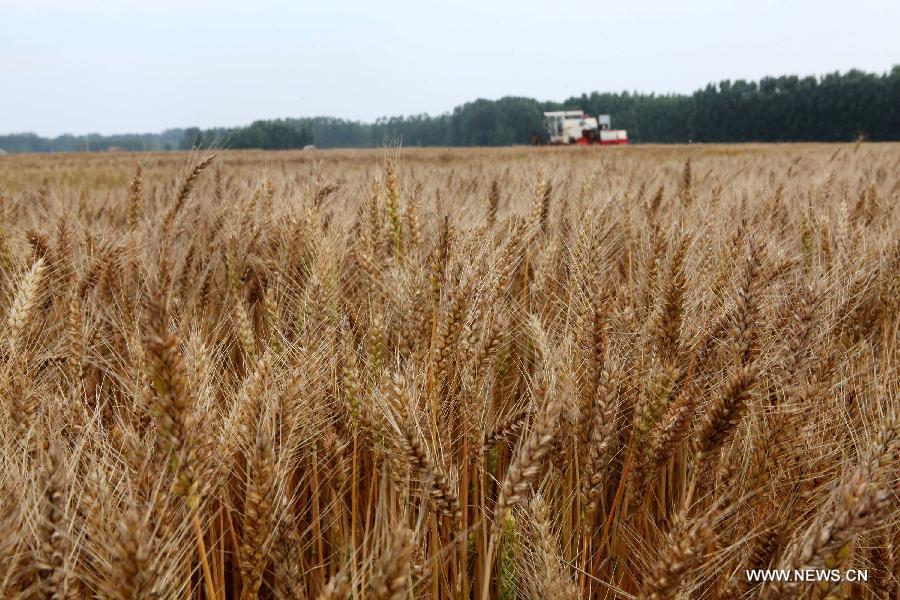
x=577, y=127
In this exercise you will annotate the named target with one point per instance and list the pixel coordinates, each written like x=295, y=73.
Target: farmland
x=463, y=373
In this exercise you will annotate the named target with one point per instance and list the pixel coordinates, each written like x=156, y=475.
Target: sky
x=118, y=66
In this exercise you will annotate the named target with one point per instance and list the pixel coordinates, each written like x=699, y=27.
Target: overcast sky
x=108, y=66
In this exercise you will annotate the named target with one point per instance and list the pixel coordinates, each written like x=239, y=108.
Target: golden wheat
x=489, y=374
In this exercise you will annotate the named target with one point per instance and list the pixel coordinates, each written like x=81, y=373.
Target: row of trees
x=836, y=107
x=278, y=134
x=170, y=139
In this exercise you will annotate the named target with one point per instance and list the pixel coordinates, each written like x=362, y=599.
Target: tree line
x=831, y=108
x=170, y=139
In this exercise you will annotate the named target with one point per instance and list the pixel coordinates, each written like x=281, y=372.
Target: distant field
x=19, y=171
x=424, y=373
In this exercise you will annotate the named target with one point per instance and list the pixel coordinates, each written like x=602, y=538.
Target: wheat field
x=408, y=373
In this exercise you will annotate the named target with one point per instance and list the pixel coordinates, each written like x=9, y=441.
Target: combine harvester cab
x=565, y=127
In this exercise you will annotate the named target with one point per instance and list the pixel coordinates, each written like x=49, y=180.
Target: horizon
x=431, y=115
x=127, y=67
